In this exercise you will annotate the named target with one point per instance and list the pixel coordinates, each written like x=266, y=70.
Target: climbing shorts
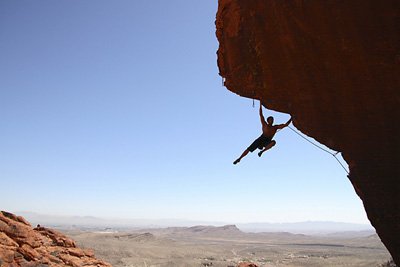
x=259, y=143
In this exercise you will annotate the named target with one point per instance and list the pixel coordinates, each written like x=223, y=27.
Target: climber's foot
x=236, y=161
x=260, y=153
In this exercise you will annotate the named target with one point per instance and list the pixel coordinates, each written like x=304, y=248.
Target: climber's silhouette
x=264, y=142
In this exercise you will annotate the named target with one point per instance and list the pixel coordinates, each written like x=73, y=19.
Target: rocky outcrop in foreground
x=335, y=67
x=247, y=264
x=22, y=245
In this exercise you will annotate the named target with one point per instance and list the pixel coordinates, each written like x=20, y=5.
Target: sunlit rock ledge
x=22, y=245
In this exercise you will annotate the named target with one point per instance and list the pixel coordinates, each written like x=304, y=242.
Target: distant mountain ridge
x=210, y=229
x=309, y=227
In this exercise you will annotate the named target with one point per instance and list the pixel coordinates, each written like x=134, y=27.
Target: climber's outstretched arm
x=261, y=115
x=281, y=126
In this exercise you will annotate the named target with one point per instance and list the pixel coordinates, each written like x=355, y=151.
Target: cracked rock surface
x=22, y=245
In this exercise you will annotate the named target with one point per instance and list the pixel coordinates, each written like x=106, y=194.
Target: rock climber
x=264, y=142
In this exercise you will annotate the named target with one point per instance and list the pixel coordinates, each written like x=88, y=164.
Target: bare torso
x=269, y=130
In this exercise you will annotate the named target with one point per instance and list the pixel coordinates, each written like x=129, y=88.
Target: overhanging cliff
x=335, y=67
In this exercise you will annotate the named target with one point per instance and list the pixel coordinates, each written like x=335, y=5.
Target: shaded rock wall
x=21, y=245
x=335, y=67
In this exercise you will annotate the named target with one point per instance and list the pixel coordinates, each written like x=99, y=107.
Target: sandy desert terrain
x=227, y=246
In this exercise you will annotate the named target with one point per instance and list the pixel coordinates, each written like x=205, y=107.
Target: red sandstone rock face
x=20, y=245
x=335, y=67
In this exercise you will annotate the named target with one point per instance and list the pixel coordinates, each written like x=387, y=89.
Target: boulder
x=21, y=245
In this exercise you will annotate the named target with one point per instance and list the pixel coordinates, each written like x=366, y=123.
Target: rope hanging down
x=323, y=149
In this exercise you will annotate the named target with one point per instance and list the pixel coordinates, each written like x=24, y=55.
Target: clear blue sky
x=116, y=109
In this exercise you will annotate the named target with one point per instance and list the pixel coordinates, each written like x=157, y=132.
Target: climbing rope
x=320, y=147
x=316, y=145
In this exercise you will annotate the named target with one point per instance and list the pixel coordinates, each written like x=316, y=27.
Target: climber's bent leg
x=270, y=145
x=241, y=156
x=256, y=144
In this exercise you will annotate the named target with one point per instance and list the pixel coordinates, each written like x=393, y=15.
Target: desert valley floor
x=227, y=246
